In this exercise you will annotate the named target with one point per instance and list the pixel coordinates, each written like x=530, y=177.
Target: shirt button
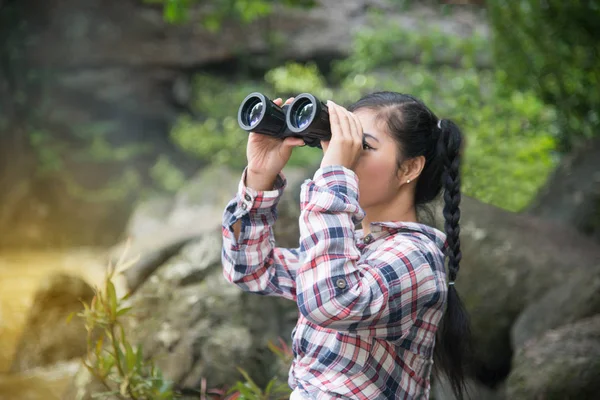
x=368, y=239
x=244, y=206
x=340, y=283
x=247, y=197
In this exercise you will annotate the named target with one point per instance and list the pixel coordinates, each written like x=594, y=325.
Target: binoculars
x=306, y=117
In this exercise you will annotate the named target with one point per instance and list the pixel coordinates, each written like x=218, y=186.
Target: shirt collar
x=381, y=229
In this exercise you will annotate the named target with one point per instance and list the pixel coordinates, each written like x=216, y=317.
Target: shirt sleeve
x=252, y=262
x=383, y=296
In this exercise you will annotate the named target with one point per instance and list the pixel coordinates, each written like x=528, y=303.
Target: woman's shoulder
x=410, y=250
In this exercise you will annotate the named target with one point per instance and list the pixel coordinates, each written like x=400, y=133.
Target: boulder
x=576, y=298
x=562, y=364
x=160, y=226
x=441, y=390
x=47, y=337
x=510, y=261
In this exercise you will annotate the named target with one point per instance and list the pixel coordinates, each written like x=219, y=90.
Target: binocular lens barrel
x=259, y=114
x=306, y=117
x=255, y=113
x=301, y=114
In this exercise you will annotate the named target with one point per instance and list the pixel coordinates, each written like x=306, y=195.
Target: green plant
x=178, y=11
x=123, y=370
x=111, y=359
x=274, y=390
x=553, y=48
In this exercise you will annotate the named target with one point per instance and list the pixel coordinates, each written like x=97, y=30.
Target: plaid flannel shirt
x=369, y=306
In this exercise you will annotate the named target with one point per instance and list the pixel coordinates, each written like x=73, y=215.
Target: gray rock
x=562, y=364
x=576, y=298
x=441, y=390
x=197, y=325
x=47, y=338
x=509, y=262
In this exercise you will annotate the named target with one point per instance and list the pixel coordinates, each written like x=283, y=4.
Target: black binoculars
x=306, y=117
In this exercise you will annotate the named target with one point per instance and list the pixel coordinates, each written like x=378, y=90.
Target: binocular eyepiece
x=306, y=117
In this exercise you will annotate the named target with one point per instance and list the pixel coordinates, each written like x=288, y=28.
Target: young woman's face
x=377, y=166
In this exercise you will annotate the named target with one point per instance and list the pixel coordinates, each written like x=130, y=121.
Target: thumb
x=325, y=145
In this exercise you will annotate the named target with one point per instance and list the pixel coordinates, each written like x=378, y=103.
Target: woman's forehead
x=371, y=124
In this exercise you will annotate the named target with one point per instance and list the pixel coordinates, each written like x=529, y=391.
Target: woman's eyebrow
x=371, y=136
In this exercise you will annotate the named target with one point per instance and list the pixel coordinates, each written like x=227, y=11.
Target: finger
x=358, y=128
x=352, y=124
x=293, y=142
x=288, y=101
x=325, y=145
x=278, y=101
x=334, y=120
x=344, y=122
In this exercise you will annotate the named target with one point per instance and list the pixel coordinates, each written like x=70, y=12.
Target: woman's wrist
x=260, y=182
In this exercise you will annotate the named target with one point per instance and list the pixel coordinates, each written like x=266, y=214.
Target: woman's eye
x=366, y=146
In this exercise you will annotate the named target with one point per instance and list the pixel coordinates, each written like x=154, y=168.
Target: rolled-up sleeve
x=383, y=294
x=252, y=261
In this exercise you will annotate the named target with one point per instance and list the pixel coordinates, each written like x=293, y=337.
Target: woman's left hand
x=346, y=142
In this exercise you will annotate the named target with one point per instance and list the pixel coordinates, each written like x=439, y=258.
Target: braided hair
x=418, y=132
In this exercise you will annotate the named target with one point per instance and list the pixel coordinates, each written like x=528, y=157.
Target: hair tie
x=439, y=123
x=451, y=283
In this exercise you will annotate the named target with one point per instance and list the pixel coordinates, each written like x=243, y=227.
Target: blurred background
x=118, y=129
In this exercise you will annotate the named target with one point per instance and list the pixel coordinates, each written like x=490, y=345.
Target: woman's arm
x=384, y=296
x=249, y=256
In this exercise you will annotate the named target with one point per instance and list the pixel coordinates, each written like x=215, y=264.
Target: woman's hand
x=267, y=155
x=346, y=142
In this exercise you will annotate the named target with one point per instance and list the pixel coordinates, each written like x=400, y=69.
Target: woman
x=370, y=300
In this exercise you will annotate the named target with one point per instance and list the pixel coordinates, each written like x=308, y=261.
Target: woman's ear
x=411, y=169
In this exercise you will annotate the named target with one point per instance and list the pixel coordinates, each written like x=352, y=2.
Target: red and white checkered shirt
x=369, y=306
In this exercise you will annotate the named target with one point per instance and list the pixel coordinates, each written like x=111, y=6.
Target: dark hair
x=415, y=128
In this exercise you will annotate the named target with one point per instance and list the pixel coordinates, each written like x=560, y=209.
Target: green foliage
x=215, y=12
x=510, y=136
x=249, y=390
x=120, y=367
x=553, y=48
x=166, y=175
x=384, y=44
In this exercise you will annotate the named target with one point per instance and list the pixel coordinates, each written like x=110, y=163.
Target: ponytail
x=453, y=337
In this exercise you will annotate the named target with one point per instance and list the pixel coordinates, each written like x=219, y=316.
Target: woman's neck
x=401, y=209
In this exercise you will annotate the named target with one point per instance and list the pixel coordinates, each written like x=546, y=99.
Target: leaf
x=139, y=357
x=249, y=382
x=270, y=386
x=130, y=357
x=112, y=297
x=70, y=317
x=124, y=311
x=99, y=346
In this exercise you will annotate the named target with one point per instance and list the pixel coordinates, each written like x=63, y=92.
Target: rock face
x=197, y=325
x=562, y=364
x=509, y=262
x=47, y=338
x=576, y=298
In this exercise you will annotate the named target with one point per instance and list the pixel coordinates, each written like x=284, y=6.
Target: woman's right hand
x=267, y=155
